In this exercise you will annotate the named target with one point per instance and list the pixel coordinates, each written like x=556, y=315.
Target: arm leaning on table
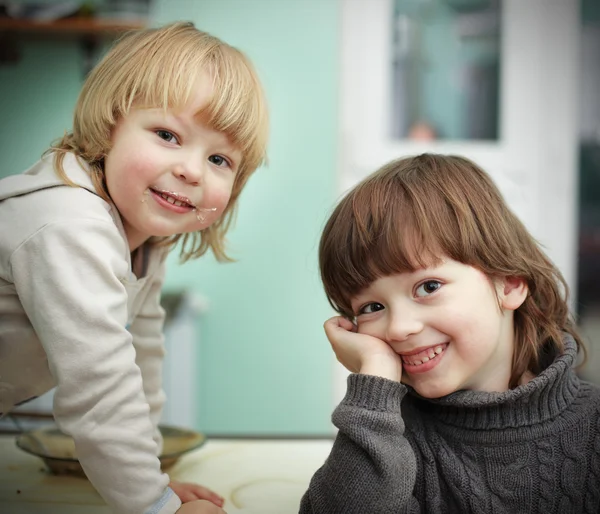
x=148, y=340
x=372, y=467
x=78, y=306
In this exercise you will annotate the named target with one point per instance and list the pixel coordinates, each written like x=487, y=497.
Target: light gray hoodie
x=73, y=315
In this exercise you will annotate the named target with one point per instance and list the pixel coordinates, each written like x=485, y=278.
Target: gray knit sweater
x=533, y=449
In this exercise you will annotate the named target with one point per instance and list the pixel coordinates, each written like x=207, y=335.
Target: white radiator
x=182, y=344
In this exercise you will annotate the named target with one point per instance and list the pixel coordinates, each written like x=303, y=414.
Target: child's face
x=461, y=321
x=168, y=173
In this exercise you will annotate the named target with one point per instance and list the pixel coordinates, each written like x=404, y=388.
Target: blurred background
x=351, y=84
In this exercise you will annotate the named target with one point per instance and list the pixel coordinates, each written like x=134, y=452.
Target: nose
x=402, y=324
x=191, y=171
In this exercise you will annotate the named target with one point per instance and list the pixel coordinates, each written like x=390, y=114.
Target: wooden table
x=256, y=476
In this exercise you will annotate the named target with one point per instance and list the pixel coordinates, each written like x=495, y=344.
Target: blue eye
x=167, y=136
x=219, y=160
x=370, y=308
x=428, y=287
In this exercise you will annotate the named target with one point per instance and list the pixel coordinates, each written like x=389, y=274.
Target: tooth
x=417, y=362
x=178, y=203
x=425, y=359
x=431, y=354
x=170, y=199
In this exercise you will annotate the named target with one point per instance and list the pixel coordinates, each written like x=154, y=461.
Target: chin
x=164, y=231
x=432, y=391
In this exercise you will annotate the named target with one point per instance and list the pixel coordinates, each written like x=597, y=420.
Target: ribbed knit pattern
x=593, y=488
x=532, y=449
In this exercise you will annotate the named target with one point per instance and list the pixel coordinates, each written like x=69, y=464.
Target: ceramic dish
x=57, y=450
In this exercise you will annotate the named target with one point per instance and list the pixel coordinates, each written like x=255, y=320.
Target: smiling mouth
x=425, y=356
x=174, y=198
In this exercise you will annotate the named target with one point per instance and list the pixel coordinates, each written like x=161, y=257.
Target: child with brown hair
x=167, y=130
x=456, y=328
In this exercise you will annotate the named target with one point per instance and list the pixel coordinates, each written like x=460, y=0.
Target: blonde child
x=454, y=324
x=167, y=130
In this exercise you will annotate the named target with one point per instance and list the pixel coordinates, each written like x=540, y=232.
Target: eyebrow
x=179, y=119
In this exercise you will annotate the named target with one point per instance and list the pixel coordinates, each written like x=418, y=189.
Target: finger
x=346, y=324
x=331, y=322
x=339, y=321
x=202, y=506
x=336, y=324
x=204, y=493
x=186, y=495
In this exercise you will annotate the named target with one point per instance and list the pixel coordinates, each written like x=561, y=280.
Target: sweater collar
x=542, y=398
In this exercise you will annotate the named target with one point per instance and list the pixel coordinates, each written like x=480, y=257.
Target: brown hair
x=414, y=211
x=158, y=67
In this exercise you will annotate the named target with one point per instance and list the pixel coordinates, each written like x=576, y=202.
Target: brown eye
x=370, y=308
x=428, y=287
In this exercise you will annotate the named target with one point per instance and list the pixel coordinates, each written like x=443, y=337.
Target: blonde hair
x=414, y=211
x=158, y=67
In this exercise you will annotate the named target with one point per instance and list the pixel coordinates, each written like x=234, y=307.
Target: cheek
x=218, y=195
x=473, y=331
x=372, y=329
x=128, y=172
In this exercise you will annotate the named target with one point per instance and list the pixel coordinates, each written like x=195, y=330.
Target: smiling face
x=452, y=327
x=169, y=173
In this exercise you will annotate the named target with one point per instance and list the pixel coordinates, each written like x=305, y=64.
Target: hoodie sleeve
x=69, y=277
x=371, y=467
x=148, y=341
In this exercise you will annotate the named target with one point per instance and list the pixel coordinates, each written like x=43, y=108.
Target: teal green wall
x=37, y=96
x=264, y=365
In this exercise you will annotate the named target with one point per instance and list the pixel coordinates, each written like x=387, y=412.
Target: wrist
x=382, y=366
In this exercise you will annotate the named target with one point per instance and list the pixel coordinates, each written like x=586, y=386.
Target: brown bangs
x=405, y=217
x=416, y=211
x=372, y=233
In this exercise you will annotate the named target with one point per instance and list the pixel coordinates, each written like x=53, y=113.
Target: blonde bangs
x=238, y=107
x=167, y=80
x=160, y=68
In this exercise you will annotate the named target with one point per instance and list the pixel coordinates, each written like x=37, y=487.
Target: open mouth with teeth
x=172, y=201
x=426, y=356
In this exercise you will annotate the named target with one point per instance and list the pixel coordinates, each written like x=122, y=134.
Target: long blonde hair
x=158, y=67
x=414, y=211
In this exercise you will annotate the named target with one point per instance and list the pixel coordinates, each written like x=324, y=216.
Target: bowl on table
x=57, y=449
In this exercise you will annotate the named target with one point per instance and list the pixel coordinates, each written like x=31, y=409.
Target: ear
x=512, y=292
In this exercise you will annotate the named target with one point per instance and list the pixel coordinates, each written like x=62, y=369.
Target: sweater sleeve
x=148, y=341
x=69, y=278
x=371, y=467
